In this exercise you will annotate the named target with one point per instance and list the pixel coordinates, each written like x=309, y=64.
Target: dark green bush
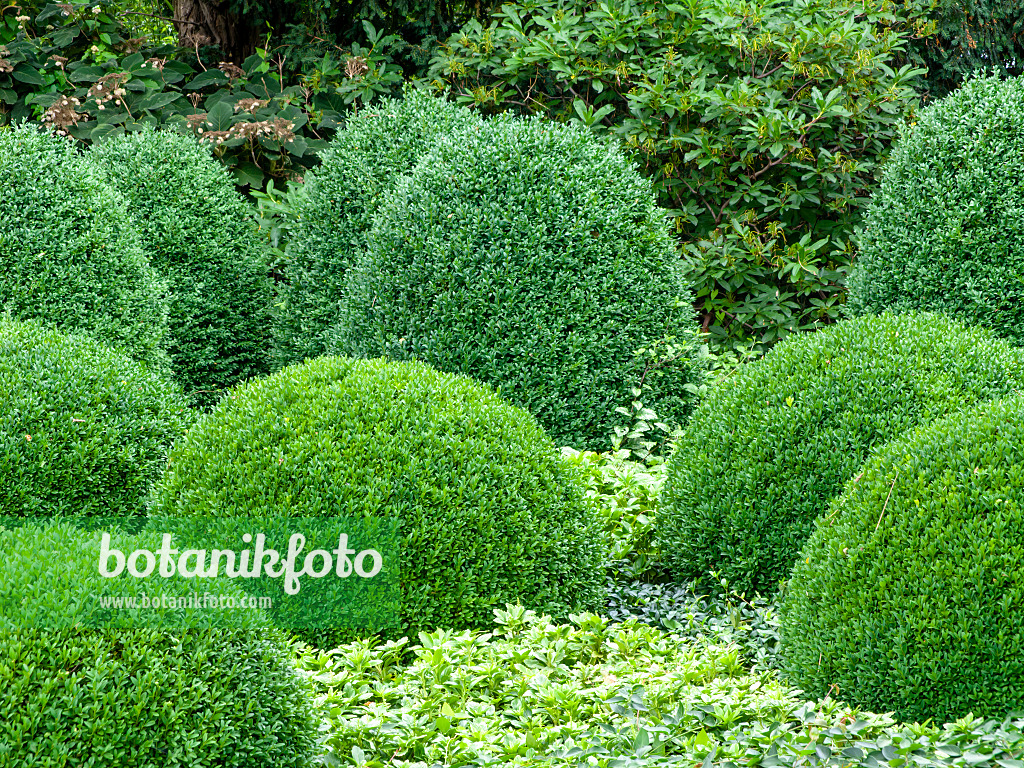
x=200, y=235
x=909, y=595
x=148, y=698
x=772, y=445
x=945, y=230
x=761, y=123
x=531, y=256
x=488, y=511
x=972, y=35
x=83, y=429
x=365, y=160
x=69, y=252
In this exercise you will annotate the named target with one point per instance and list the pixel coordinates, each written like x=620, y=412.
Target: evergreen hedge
x=772, y=445
x=70, y=254
x=531, y=256
x=909, y=596
x=201, y=236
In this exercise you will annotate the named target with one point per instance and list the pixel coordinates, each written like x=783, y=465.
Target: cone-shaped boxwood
x=909, y=595
x=147, y=698
x=200, y=235
x=945, y=230
x=488, y=511
x=771, y=446
x=365, y=159
x=83, y=429
x=531, y=256
x=69, y=252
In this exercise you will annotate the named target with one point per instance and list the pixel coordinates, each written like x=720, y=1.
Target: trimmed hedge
x=365, y=159
x=200, y=234
x=488, y=512
x=83, y=429
x=771, y=446
x=147, y=698
x=909, y=596
x=531, y=256
x=945, y=228
x=69, y=251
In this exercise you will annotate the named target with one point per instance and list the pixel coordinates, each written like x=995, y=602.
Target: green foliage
x=944, y=232
x=909, y=594
x=83, y=430
x=82, y=73
x=624, y=495
x=488, y=512
x=202, y=238
x=70, y=253
x=772, y=445
x=972, y=35
x=366, y=159
x=761, y=124
x=139, y=697
x=532, y=693
x=531, y=256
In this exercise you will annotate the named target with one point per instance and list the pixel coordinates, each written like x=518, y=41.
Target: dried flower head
x=62, y=114
x=233, y=71
x=250, y=105
x=356, y=66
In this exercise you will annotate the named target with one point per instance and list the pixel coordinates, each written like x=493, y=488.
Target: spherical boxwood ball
x=531, y=256
x=71, y=255
x=488, y=511
x=945, y=230
x=200, y=234
x=909, y=596
x=144, y=697
x=84, y=430
x=773, y=444
x=365, y=159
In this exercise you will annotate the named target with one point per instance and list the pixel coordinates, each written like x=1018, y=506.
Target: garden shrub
x=377, y=146
x=488, y=512
x=148, y=698
x=762, y=124
x=533, y=257
x=534, y=693
x=944, y=230
x=83, y=429
x=909, y=596
x=773, y=444
x=200, y=235
x=70, y=252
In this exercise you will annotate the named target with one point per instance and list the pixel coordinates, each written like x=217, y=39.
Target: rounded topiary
x=772, y=445
x=139, y=696
x=83, y=429
x=531, y=256
x=944, y=230
x=201, y=236
x=488, y=511
x=70, y=253
x=909, y=595
x=365, y=159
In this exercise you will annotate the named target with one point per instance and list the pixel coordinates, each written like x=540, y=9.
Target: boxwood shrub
x=147, y=698
x=531, y=256
x=772, y=445
x=70, y=252
x=909, y=596
x=84, y=430
x=201, y=236
x=365, y=159
x=488, y=512
x=945, y=228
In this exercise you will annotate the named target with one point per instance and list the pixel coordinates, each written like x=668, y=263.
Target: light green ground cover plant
x=601, y=694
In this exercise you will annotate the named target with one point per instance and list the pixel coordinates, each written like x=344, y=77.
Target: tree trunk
x=208, y=22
